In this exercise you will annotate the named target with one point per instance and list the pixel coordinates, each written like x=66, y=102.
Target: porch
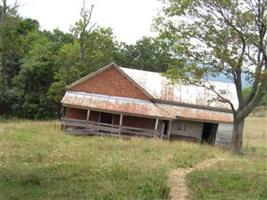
x=92, y=122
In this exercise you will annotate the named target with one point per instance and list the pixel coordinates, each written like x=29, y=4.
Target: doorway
x=209, y=133
x=165, y=128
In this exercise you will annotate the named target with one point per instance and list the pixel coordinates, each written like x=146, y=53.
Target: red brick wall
x=138, y=122
x=75, y=113
x=110, y=82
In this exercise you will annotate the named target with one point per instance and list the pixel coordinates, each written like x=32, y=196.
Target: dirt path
x=177, y=179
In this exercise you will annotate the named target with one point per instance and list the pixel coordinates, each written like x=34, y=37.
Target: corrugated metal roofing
x=176, y=100
x=115, y=104
x=141, y=107
x=162, y=88
x=196, y=114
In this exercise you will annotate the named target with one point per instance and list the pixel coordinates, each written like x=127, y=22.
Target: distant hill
x=224, y=79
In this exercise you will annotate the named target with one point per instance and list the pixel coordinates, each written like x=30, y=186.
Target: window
x=181, y=125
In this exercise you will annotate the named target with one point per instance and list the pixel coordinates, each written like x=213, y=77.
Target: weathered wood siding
x=224, y=134
x=192, y=129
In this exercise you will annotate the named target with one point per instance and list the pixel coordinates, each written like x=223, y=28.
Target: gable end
x=111, y=81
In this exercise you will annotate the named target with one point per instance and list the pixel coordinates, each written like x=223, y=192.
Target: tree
x=247, y=91
x=82, y=28
x=8, y=21
x=13, y=29
x=221, y=37
x=99, y=52
x=29, y=93
x=35, y=65
x=59, y=37
x=149, y=53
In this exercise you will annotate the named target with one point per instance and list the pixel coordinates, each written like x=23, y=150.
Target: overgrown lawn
x=38, y=161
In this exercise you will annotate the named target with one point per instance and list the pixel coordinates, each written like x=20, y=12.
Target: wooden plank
x=137, y=129
x=77, y=124
x=99, y=118
x=156, y=126
x=88, y=115
x=151, y=134
x=103, y=124
x=74, y=120
x=95, y=127
x=120, y=124
x=108, y=129
x=169, y=131
x=112, y=119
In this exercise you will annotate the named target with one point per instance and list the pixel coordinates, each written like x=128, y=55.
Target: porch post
x=156, y=126
x=112, y=120
x=99, y=116
x=88, y=115
x=121, y=118
x=169, y=130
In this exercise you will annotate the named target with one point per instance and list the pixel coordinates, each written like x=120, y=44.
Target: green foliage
x=59, y=37
x=32, y=83
x=247, y=92
x=13, y=31
x=219, y=38
x=37, y=65
x=153, y=54
x=98, y=53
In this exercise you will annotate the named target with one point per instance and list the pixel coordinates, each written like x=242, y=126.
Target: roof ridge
x=140, y=70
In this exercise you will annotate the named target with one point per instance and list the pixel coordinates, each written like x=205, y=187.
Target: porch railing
x=97, y=128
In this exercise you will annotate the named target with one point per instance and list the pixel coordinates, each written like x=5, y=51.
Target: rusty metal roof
x=158, y=87
x=115, y=104
x=196, y=114
x=168, y=100
x=161, y=88
x=141, y=107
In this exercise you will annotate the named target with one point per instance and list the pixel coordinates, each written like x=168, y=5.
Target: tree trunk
x=237, y=137
x=81, y=50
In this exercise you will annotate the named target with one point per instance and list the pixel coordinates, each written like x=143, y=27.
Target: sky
x=129, y=19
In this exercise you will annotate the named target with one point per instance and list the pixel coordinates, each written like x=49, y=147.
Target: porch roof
x=196, y=114
x=115, y=104
x=142, y=107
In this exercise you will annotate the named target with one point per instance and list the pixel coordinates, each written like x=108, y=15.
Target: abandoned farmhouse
x=125, y=102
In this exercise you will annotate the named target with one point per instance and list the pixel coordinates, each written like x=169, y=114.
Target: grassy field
x=237, y=178
x=255, y=134
x=38, y=161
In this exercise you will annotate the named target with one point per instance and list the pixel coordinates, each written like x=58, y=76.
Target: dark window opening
x=209, y=133
x=94, y=116
x=106, y=118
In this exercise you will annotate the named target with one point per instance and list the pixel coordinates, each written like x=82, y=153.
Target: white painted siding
x=192, y=129
x=224, y=134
